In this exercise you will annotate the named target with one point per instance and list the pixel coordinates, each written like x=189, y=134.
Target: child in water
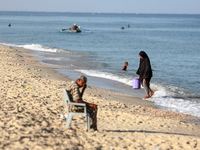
x=125, y=66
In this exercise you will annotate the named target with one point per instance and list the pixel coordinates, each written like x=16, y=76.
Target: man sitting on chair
x=75, y=95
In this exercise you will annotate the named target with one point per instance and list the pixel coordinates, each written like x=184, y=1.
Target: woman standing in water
x=145, y=73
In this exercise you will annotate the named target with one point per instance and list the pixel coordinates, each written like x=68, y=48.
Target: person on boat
x=74, y=27
x=79, y=28
x=145, y=73
x=125, y=66
x=75, y=95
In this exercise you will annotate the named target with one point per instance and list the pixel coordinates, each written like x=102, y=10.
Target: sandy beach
x=32, y=101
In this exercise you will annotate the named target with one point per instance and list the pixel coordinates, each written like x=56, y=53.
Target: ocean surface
x=172, y=43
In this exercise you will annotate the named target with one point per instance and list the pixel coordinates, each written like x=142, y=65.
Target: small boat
x=72, y=31
x=75, y=31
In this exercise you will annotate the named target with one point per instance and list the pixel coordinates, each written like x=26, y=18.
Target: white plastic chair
x=70, y=114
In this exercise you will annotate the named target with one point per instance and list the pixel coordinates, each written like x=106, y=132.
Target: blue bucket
x=136, y=83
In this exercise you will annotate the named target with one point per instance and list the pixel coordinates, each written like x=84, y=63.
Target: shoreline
x=30, y=114
x=117, y=95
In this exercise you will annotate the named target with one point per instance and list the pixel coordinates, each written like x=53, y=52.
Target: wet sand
x=32, y=99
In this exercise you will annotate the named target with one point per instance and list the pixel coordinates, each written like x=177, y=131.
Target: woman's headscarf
x=144, y=70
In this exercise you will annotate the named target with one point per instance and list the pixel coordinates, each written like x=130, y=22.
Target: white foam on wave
x=36, y=47
x=165, y=98
x=107, y=75
x=164, y=95
x=56, y=58
x=39, y=47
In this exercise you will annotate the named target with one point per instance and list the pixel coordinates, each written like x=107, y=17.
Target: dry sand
x=31, y=98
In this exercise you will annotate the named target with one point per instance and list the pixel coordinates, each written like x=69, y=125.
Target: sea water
x=171, y=41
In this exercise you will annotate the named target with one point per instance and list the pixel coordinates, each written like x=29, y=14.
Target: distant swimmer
x=9, y=24
x=128, y=25
x=122, y=27
x=125, y=66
